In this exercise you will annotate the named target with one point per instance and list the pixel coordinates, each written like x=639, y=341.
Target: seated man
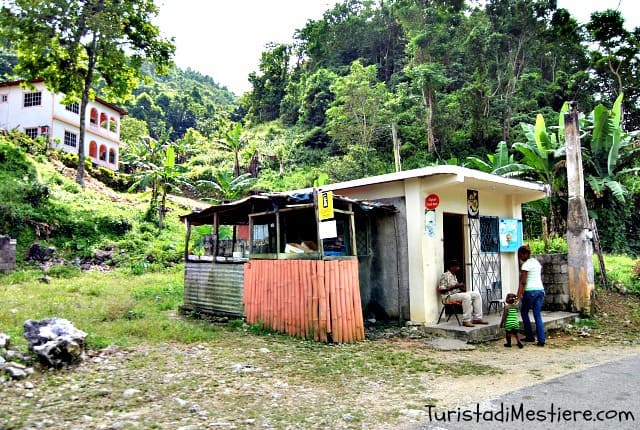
x=456, y=291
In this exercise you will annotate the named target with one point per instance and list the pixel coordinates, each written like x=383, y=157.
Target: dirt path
x=190, y=387
x=521, y=368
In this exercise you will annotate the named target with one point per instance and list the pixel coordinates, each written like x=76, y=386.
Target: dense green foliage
x=40, y=203
x=75, y=45
x=375, y=86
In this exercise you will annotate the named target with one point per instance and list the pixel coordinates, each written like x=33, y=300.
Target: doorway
x=453, y=242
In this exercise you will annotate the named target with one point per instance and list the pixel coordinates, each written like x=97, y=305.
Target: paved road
x=603, y=397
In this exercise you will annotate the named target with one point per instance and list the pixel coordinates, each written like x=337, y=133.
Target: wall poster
x=510, y=232
x=473, y=205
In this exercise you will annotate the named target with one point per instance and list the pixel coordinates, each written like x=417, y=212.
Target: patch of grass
x=63, y=271
x=621, y=269
x=586, y=322
x=112, y=308
x=537, y=373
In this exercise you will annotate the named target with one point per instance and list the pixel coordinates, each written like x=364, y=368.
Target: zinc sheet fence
x=312, y=299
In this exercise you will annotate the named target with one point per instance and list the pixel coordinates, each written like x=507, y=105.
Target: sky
x=224, y=38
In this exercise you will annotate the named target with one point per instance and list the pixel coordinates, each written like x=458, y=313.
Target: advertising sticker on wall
x=473, y=205
x=510, y=232
x=430, y=222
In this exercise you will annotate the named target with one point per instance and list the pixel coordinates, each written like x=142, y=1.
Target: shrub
x=63, y=271
x=556, y=245
x=36, y=193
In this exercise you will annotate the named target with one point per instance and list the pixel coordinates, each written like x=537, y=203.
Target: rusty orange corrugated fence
x=312, y=299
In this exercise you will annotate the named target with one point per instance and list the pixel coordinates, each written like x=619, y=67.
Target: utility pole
x=578, y=228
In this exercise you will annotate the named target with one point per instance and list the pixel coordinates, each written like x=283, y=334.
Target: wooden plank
x=346, y=280
x=315, y=317
x=357, y=301
x=322, y=312
x=335, y=302
x=596, y=243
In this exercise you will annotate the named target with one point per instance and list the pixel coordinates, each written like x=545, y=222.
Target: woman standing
x=531, y=292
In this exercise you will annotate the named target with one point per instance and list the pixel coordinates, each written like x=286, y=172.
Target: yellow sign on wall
x=325, y=205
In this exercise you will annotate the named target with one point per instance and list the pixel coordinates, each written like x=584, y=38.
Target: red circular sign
x=431, y=201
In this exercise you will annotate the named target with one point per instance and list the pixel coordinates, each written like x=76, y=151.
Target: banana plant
x=499, y=163
x=610, y=154
x=545, y=154
x=225, y=186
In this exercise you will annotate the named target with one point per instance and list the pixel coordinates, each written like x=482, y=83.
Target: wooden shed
x=289, y=261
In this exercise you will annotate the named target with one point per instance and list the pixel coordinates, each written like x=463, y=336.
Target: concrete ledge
x=492, y=331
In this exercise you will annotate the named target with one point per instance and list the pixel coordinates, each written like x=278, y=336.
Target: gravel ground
x=177, y=386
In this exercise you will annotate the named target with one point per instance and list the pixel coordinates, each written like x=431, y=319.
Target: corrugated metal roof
x=237, y=212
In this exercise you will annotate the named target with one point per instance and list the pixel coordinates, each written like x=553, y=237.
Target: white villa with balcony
x=39, y=112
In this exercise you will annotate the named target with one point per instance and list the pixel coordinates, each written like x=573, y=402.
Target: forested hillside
x=377, y=86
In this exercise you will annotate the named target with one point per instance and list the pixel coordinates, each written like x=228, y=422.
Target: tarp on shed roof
x=237, y=212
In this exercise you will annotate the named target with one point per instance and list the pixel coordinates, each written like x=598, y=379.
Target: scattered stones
x=11, y=361
x=411, y=330
x=447, y=344
x=182, y=403
x=40, y=254
x=17, y=371
x=5, y=341
x=413, y=413
x=620, y=287
x=245, y=368
x=55, y=340
x=130, y=392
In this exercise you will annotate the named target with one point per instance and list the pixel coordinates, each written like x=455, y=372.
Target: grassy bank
x=113, y=308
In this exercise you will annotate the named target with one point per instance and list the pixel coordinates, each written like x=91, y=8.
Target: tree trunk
x=580, y=250
x=428, y=104
x=162, y=209
x=396, y=146
x=84, y=102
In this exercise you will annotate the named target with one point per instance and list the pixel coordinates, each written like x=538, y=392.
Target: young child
x=510, y=320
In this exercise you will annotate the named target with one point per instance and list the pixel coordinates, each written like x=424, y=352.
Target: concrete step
x=492, y=331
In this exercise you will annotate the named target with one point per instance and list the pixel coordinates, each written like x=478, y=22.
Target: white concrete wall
x=13, y=113
x=52, y=113
x=426, y=254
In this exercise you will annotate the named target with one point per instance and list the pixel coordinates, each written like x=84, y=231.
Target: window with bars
x=73, y=107
x=489, y=239
x=4, y=98
x=32, y=132
x=32, y=99
x=70, y=139
x=363, y=244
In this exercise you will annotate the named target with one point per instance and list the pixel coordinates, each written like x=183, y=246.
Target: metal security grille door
x=484, y=243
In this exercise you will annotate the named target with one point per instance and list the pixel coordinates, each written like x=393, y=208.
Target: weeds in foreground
x=113, y=308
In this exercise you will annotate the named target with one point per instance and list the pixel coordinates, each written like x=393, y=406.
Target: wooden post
x=317, y=215
x=596, y=243
x=578, y=228
x=216, y=228
x=352, y=228
x=186, y=240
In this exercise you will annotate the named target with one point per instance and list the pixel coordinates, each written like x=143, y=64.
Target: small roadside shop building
x=397, y=231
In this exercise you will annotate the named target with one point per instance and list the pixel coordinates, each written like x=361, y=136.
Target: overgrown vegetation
x=40, y=203
x=436, y=82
